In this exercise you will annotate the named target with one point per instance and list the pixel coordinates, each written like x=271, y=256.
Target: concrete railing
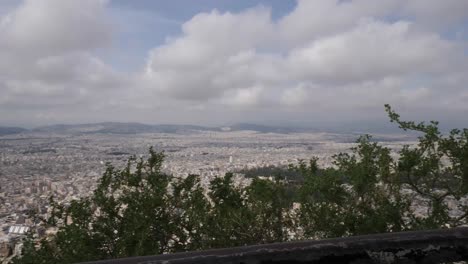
x=434, y=246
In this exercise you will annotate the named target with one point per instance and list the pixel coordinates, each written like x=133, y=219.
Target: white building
x=18, y=229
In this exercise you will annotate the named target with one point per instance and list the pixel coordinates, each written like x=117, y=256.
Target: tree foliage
x=139, y=210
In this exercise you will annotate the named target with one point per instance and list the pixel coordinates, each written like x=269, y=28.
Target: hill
x=11, y=130
x=121, y=128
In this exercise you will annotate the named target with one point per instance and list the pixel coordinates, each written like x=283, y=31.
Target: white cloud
x=314, y=19
x=46, y=54
x=311, y=20
x=370, y=51
x=342, y=54
x=244, y=97
x=435, y=13
x=297, y=96
x=208, y=37
x=325, y=56
x=50, y=27
x=214, y=54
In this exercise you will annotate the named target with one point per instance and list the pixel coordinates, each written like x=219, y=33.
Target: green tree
x=436, y=170
x=360, y=195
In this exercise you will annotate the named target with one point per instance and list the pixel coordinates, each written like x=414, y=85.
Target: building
x=18, y=230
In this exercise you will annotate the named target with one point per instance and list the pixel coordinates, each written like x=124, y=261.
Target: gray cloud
x=324, y=59
x=373, y=50
x=356, y=55
x=46, y=60
x=51, y=27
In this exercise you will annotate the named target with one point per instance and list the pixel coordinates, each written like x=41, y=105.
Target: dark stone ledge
x=433, y=246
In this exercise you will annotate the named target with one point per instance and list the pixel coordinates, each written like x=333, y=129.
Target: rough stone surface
x=435, y=246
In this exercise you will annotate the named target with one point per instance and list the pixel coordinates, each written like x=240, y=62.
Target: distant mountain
x=92, y=128
x=11, y=130
x=121, y=128
x=138, y=128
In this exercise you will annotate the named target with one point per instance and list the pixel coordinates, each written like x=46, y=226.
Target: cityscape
x=131, y=129
x=67, y=166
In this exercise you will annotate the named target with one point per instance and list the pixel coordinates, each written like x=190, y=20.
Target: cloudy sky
x=217, y=62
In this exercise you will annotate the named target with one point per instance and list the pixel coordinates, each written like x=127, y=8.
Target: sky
x=314, y=63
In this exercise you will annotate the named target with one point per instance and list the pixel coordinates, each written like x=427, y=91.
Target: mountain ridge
x=7, y=130
x=138, y=128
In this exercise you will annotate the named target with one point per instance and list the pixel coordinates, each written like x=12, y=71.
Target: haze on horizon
x=282, y=62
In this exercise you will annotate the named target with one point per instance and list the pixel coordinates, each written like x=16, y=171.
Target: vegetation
x=273, y=171
x=138, y=210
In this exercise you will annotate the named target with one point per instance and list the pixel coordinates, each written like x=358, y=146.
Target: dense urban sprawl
x=36, y=166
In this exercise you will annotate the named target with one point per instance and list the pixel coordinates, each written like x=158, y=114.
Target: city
x=147, y=128
x=37, y=165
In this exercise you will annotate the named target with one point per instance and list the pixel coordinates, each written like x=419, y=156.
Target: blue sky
x=283, y=62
